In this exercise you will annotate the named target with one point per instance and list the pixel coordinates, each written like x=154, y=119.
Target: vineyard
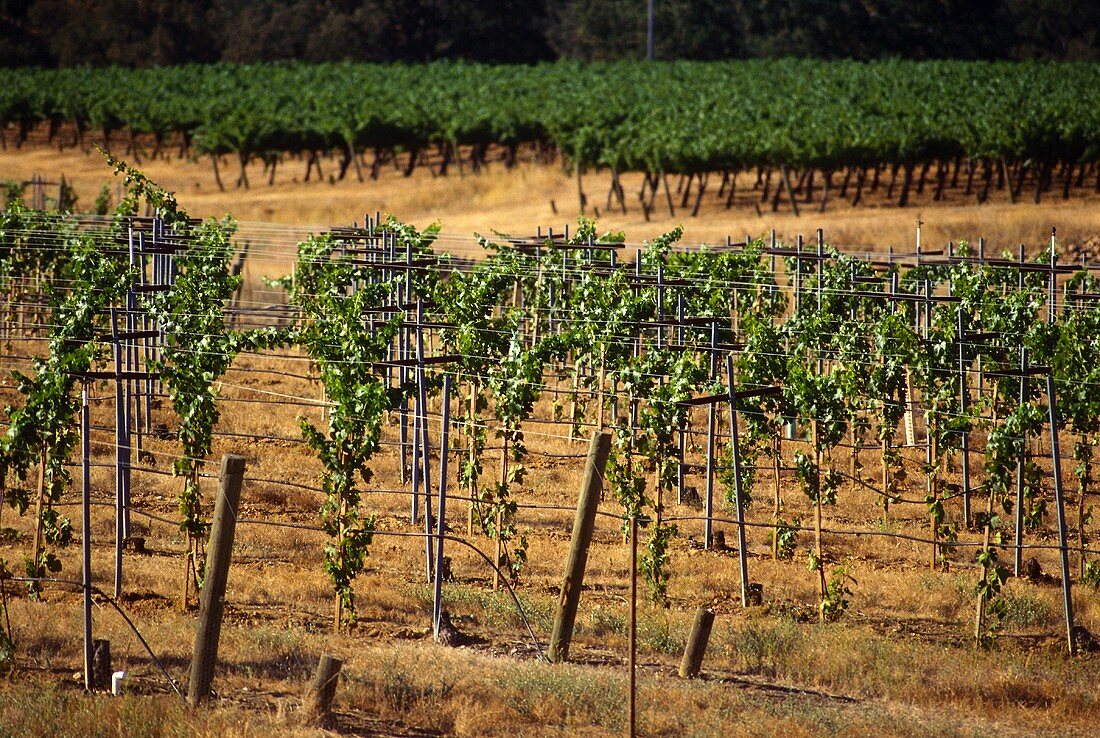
x=802, y=131
x=774, y=433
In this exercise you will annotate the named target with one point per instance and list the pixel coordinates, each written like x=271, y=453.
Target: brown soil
x=516, y=200
x=901, y=662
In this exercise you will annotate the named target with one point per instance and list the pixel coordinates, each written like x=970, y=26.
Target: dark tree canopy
x=21, y=44
x=158, y=32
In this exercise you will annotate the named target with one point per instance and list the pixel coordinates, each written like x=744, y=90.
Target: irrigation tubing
x=412, y=534
x=317, y=529
x=110, y=600
x=884, y=534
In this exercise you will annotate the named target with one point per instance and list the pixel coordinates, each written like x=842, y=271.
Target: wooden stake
x=600, y=389
x=979, y=619
x=885, y=481
x=217, y=573
x=598, y=450
x=318, y=701
x=38, y=507
x=696, y=646
x=499, y=545
x=472, y=453
x=777, y=508
x=100, y=666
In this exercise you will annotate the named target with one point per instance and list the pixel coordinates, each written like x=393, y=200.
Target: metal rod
x=425, y=473
x=712, y=417
x=1063, y=548
x=1018, y=552
x=739, y=503
x=86, y=535
x=708, y=531
x=425, y=441
x=120, y=533
x=631, y=717
x=402, y=376
x=415, y=469
x=441, y=519
x=964, y=403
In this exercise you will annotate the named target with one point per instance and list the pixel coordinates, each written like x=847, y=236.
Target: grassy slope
x=900, y=663
x=517, y=200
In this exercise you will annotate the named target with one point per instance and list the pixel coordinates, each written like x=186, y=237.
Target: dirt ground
x=529, y=195
x=901, y=662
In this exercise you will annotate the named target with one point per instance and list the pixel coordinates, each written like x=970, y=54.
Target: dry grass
x=900, y=663
x=516, y=200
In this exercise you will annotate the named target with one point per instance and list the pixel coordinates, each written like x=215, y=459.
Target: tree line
x=161, y=32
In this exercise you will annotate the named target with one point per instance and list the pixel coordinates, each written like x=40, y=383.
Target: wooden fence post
x=697, y=643
x=318, y=702
x=598, y=450
x=101, y=666
x=212, y=598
